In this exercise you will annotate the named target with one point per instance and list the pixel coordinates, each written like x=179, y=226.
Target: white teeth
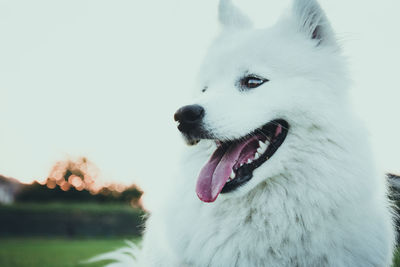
x=257, y=155
x=241, y=164
x=249, y=161
x=233, y=175
x=263, y=147
x=261, y=150
x=265, y=144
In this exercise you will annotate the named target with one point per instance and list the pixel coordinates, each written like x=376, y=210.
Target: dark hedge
x=70, y=220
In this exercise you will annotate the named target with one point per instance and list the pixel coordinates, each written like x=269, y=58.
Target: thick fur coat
x=318, y=200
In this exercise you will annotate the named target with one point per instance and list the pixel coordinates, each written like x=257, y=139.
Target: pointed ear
x=231, y=17
x=312, y=21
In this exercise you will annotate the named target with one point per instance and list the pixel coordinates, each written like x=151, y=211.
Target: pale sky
x=102, y=79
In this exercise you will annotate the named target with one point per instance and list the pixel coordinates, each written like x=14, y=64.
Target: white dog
x=279, y=172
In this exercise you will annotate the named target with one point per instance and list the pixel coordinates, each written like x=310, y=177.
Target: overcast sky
x=102, y=79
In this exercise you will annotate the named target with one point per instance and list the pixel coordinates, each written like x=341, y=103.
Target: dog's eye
x=251, y=81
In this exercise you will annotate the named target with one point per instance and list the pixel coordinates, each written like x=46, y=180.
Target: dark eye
x=251, y=82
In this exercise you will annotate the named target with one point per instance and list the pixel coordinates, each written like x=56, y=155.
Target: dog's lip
x=233, y=162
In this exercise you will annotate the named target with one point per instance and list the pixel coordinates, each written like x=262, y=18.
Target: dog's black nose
x=189, y=114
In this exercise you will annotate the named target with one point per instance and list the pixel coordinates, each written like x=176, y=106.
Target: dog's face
x=257, y=88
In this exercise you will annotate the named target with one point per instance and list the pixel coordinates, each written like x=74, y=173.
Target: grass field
x=34, y=252
x=396, y=258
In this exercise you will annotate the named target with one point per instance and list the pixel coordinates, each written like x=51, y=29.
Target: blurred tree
x=42, y=193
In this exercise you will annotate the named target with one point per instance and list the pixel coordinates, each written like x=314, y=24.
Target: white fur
x=318, y=201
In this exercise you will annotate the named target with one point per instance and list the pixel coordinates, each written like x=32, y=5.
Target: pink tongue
x=217, y=170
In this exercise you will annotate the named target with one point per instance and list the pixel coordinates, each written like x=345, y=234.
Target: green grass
x=396, y=258
x=36, y=252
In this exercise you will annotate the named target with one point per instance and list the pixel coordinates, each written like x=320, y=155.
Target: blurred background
x=88, y=89
x=67, y=218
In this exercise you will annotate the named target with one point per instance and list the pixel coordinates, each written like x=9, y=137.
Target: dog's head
x=258, y=88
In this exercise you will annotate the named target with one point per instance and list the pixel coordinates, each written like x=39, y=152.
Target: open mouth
x=232, y=163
